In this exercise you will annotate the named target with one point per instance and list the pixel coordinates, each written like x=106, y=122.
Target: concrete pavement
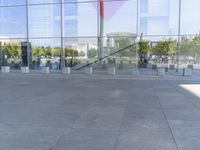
x=56, y=112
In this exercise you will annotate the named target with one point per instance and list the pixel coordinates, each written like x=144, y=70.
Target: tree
x=82, y=53
x=12, y=50
x=92, y=53
x=71, y=52
x=144, y=47
x=38, y=51
x=122, y=43
x=48, y=51
x=190, y=48
x=165, y=48
x=56, y=51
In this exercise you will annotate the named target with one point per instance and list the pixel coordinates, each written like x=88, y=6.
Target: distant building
x=158, y=17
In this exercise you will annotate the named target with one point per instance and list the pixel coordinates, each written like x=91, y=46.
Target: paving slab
x=79, y=112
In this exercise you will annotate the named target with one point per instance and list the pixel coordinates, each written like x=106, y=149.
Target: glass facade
x=76, y=30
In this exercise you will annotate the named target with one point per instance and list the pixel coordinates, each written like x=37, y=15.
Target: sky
x=120, y=16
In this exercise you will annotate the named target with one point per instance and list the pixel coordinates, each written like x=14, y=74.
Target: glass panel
x=190, y=22
x=10, y=53
x=159, y=18
x=80, y=51
x=46, y=53
x=12, y=2
x=120, y=17
x=122, y=58
x=190, y=51
x=80, y=19
x=13, y=22
x=157, y=50
x=43, y=1
x=68, y=1
x=44, y=20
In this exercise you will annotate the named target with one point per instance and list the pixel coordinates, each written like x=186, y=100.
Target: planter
x=196, y=66
x=66, y=70
x=183, y=66
x=171, y=67
x=187, y=72
x=45, y=70
x=165, y=66
x=111, y=71
x=154, y=66
x=5, y=69
x=135, y=71
x=88, y=70
x=25, y=69
x=160, y=71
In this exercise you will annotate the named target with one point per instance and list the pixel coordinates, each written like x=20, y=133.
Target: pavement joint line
x=188, y=98
x=166, y=118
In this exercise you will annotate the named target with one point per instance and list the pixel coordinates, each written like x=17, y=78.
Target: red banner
x=102, y=8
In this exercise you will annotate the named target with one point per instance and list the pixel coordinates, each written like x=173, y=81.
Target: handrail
x=99, y=59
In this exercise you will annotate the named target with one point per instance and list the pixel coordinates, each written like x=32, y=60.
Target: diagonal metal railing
x=100, y=59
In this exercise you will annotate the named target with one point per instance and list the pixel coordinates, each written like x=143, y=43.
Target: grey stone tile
x=13, y=118
x=7, y=130
x=146, y=127
x=34, y=138
x=170, y=93
x=130, y=141
x=186, y=133
x=106, y=102
x=177, y=104
x=144, y=113
x=106, y=111
x=55, y=108
x=144, y=104
x=36, y=112
x=81, y=139
x=196, y=102
x=51, y=120
x=99, y=122
x=180, y=114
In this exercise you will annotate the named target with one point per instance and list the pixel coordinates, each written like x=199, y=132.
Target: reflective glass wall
x=72, y=32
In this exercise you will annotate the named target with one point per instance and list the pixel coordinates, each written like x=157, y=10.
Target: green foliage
x=191, y=48
x=144, y=47
x=48, y=51
x=12, y=50
x=165, y=48
x=81, y=53
x=92, y=53
x=39, y=51
x=122, y=43
x=71, y=53
x=56, y=51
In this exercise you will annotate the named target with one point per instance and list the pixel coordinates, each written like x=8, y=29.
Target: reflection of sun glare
x=192, y=88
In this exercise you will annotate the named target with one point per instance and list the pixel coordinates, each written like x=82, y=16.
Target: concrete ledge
x=154, y=66
x=66, y=70
x=111, y=70
x=135, y=71
x=183, y=66
x=5, y=69
x=172, y=67
x=45, y=70
x=88, y=70
x=187, y=72
x=160, y=71
x=196, y=66
x=25, y=69
x=165, y=66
